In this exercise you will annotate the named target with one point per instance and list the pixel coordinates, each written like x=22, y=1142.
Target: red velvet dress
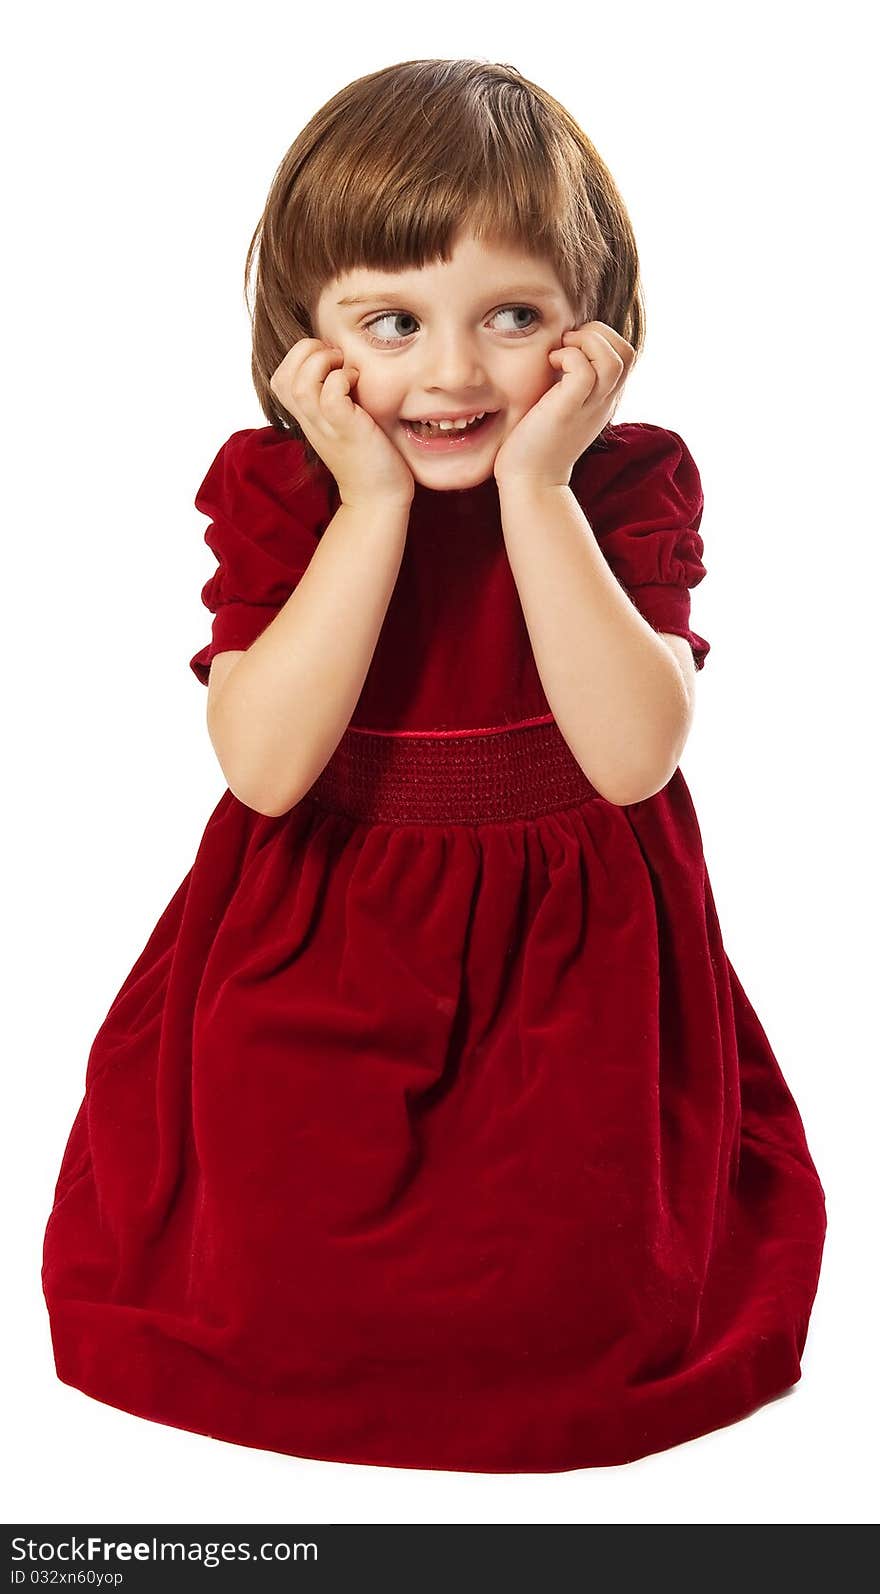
x=432, y=1126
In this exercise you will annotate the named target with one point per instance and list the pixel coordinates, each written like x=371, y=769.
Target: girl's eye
x=404, y=315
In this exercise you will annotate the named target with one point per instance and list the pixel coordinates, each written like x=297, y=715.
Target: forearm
x=615, y=689
x=283, y=710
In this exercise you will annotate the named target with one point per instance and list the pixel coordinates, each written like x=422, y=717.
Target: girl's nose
x=454, y=362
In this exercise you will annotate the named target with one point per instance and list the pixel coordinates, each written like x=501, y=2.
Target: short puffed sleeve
x=265, y=526
x=641, y=493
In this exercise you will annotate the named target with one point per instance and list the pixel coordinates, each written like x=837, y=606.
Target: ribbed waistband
x=502, y=772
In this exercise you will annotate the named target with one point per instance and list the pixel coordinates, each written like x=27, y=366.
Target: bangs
x=427, y=179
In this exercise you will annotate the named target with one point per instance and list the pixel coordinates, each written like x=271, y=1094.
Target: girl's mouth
x=449, y=442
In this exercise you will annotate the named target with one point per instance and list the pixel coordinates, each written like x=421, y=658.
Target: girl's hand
x=314, y=383
x=545, y=443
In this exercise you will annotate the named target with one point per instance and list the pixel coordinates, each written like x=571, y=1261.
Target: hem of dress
x=125, y=1364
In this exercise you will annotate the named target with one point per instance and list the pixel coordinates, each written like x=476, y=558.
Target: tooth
x=459, y=426
x=448, y=426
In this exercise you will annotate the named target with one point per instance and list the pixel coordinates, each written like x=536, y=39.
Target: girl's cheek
x=376, y=399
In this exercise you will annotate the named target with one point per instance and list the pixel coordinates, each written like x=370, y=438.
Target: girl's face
x=449, y=340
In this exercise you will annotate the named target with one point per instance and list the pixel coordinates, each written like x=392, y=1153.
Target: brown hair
x=393, y=166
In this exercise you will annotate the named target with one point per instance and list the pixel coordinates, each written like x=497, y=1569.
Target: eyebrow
x=537, y=291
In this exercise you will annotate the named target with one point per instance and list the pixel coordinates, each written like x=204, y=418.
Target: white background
x=139, y=146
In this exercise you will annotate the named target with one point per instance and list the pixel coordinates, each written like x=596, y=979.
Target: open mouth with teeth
x=454, y=433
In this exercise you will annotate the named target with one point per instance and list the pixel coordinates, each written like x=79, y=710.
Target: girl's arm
x=618, y=692
x=279, y=714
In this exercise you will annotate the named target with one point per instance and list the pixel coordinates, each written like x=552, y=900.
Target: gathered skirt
x=433, y=1128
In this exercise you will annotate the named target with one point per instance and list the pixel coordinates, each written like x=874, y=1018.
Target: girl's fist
x=314, y=384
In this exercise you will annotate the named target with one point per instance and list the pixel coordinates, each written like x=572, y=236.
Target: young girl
x=433, y=1127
